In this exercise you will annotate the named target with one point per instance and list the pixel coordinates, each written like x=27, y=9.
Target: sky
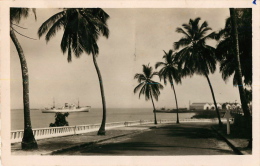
x=137, y=36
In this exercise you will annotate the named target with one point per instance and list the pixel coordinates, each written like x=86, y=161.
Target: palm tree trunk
x=101, y=130
x=176, y=104
x=28, y=141
x=247, y=115
x=154, y=111
x=239, y=80
x=215, y=103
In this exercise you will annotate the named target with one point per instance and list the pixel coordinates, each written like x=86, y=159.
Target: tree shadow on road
x=194, y=132
x=143, y=149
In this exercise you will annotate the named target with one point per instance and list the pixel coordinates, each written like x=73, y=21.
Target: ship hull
x=82, y=109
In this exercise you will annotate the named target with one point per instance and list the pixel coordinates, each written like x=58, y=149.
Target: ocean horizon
x=42, y=120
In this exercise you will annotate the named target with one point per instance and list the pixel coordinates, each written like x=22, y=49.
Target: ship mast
x=53, y=103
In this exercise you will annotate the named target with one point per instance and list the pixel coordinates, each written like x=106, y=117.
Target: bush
x=60, y=120
x=206, y=115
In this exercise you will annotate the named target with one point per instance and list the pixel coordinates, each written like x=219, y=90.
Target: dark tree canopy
x=82, y=27
x=147, y=86
x=194, y=55
x=169, y=68
x=60, y=120
x=226, y=54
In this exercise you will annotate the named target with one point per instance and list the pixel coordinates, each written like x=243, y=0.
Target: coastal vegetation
x=82, y=28
x=171, y=72
x=191, y=55
x=244, y=101
x=16, y=14
x=237, y=33
x=60, y=120
x=147, y=86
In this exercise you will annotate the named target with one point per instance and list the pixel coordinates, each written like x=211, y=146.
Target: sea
x=94, y=116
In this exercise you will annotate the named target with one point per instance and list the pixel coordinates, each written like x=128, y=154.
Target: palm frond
x=203, y=26
x=159, y=64
x=181, y=43
x=54, y=28
x=140, y=77
x=147, y=70
x=147, y=92
x=180, y=30
x=17, y=13
x=153, y=74
x=48, y=23
x=97, y=18
x=142, y=91
x=138, y=87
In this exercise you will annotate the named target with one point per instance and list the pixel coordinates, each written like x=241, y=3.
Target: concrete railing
x=50, y=132
x=223, y=120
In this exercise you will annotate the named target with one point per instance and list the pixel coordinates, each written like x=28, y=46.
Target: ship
x=70, y=108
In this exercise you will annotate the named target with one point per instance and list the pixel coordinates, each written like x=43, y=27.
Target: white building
x=211, y=106
x=200, y=106
x=204, y=106
x=229, y=106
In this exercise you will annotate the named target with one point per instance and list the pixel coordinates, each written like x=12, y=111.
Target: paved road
x=181, y=139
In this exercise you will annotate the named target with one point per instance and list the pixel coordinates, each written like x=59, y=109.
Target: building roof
x=198, y=104
x=203, y=103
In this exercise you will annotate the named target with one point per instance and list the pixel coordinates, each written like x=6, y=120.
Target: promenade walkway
x=51, y=145
x=171, y=139
x=162, y=140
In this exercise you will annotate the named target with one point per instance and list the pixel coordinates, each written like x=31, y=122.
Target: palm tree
x=225, y=53
x=82, y=27
x=149, y=88
x=16, y=14
x=195, y=56
x=170, y=72
x=242, y=93
x=230, y=57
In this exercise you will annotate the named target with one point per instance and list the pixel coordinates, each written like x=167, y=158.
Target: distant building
x=204, y=106
x=211, y=106
x=226, y=106
x=231, y=106
x=200, y=106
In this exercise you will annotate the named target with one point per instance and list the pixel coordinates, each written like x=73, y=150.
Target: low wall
x=50, y=132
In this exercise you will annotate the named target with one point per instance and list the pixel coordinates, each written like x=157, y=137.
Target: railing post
x=75, y=130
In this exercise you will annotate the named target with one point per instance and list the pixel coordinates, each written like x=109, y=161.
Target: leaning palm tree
x=149, y=88
x=170, y=72
x=82, y=28
x=16, y=14
x=195, y=57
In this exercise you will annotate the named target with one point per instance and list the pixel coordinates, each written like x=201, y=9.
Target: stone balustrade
x=42, y=133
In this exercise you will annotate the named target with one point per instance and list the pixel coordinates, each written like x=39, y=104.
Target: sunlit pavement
x=48, y=146
x=172, y=139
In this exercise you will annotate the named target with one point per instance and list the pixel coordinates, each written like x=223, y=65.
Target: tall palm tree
x=242, y=93
x=16, y=14
x=230, y=57
x=149, y=88
x=170, y=72
x=82, y=28
x=195, y=57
